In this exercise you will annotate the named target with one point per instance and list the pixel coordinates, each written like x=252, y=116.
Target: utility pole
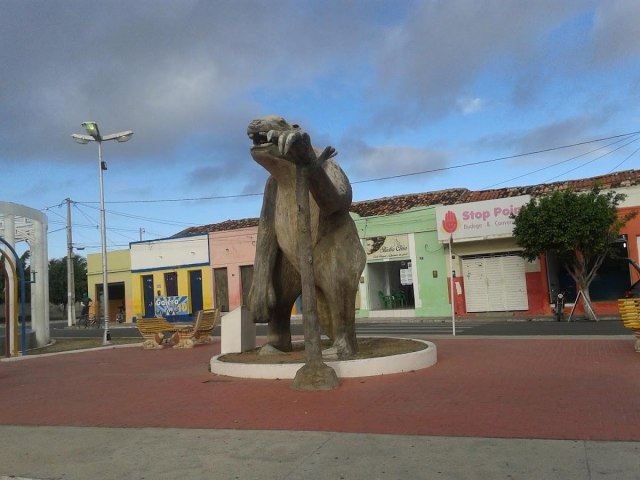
x=141, y=233
x=71, y=284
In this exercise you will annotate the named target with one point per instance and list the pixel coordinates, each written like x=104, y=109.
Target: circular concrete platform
x=367, y=367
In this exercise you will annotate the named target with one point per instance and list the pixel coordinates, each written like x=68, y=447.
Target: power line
x=378, y=179
x=194, y=199
x=565, y=161
x=509, y=157
x=591, y=161
x=149, y=219
x=619, y=138
x=628, y=157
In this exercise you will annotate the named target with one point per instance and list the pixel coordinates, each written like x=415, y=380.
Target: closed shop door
x=495, y=283
x=221, y=289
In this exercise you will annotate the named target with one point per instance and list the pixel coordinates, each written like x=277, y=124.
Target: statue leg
x=286, y=283
x=337, y=273
x=337, y=312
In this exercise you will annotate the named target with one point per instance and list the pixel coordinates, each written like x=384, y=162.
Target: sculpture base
x=384, y=365
x=314, y=377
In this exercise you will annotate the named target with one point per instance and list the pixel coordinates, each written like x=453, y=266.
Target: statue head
x=265, y=133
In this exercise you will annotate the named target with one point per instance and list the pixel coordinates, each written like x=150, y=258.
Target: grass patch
x=69, y=344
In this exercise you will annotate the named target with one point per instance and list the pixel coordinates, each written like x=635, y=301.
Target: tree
x=58, y=279
x=580, y=229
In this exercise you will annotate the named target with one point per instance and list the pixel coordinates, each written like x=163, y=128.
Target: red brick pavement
x=512, y=388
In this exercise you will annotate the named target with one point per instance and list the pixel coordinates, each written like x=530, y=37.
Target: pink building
x=232, y=254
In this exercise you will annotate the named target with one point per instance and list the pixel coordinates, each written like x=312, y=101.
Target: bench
x=629, y=309
x=153, y=330
x=198, y=333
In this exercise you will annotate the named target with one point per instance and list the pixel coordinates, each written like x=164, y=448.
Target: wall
x=118, y=271
x=169, y=252
x=426, y=255
x=535, y=275
x=632, y=231
x=233, y=249
x=159, y=286
x=166, y=255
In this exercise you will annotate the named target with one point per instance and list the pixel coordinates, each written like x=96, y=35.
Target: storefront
x=171, y=277
x=405, y=274
x=389, y=265
x=490, y=274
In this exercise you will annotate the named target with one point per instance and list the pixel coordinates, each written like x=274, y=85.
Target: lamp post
x=94, y=136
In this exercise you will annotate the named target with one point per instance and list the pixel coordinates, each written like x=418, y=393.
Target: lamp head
x=120, y=136
x=92, y=129
x=81, y=139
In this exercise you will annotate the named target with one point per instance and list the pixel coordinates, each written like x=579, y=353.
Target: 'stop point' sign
x=477, y=220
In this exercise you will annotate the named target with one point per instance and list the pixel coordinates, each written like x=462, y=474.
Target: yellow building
x=171, y=277
x=119, y=278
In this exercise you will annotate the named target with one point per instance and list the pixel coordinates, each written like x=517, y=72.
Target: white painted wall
x=170, y=252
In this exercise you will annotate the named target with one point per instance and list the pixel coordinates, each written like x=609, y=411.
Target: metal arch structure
x=19, y=223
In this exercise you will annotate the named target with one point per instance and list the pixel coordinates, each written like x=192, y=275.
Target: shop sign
x=168, y=306
x=385, y=247
x=477, y=220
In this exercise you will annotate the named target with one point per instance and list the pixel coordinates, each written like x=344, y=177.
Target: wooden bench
x=199, y=332
x=629, y=309
x=153, y=330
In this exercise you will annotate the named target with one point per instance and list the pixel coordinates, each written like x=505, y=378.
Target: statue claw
x=291, y=138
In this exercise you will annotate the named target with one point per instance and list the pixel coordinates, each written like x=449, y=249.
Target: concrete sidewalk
x=491, y=408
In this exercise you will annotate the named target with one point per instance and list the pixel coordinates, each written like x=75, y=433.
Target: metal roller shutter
x=495, y=283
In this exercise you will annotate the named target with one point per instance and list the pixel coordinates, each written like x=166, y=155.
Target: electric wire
x=390, y=177
x=94, y=225
x=627, y=158
x=591, y=161
x=558, y=163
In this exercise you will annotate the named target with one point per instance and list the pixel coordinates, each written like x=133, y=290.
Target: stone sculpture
x=338, y=257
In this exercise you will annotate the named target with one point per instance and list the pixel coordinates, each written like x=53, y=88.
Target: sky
x=416, y=96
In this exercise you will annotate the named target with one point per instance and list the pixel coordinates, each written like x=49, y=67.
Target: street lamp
x=94, y=136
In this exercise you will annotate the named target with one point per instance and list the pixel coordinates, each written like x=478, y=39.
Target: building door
x=221, y=289
x=171, y=284
x=195, y=290
x=495, y=283
x=246, y=278
x=147, y=296
x=390, y=285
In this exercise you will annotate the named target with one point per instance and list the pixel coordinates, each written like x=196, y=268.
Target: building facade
x=232, y=256
x=120, y=284
x=425, y=252
x=171, y=277
x=406, y=273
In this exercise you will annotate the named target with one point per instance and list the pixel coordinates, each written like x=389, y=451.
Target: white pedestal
x=237, y=331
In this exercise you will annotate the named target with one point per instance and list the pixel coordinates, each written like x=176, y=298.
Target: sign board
x=406, y=277
x=386, y=247
x=478, y=220
x=169, y=306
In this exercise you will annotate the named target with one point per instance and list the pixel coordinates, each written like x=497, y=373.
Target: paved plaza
x=490, y=408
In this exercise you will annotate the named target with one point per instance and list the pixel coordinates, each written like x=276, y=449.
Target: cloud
x=471, y=105
x=561, y=133
x=157, y=68
x=427, y=63
x=188, y=77
x=615, y=32
x=393, y=160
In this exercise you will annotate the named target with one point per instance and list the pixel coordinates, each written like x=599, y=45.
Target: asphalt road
x=406, y=328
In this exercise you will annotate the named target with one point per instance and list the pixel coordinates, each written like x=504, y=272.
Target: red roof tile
x=402, y=203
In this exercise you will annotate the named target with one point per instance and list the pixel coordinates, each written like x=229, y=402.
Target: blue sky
x=398, y=87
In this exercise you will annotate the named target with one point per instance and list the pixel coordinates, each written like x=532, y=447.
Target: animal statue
x=338, y=256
